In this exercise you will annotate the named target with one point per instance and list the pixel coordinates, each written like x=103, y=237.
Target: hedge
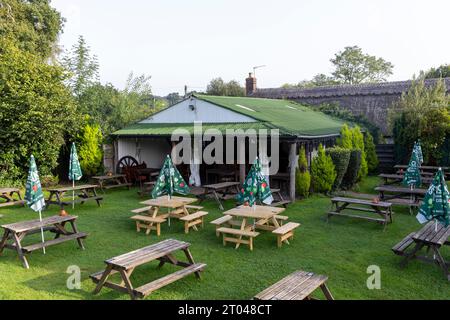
x=302, y=175
x=341, y=159
x=351, y=176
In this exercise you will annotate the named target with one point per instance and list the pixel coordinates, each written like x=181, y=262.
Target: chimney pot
x=250, y=84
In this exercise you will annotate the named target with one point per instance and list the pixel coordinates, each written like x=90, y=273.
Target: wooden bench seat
x=112, y=186
x=148, y=223
x=145, y=290
x=285, y=232
x=400, y=248
x=222, y=221
x=140, y=210
x=283, y=203
x=193, y=207
x=40, y=245
x=237, y=232
x=12, y=203
x=193, y=219
x=339, y=214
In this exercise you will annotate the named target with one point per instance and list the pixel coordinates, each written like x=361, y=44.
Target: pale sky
x=192, y=41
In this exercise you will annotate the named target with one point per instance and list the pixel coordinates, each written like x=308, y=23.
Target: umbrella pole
x=42, y=230
x=73, y=194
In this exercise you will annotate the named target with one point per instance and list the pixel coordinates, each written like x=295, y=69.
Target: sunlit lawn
x=341, y=249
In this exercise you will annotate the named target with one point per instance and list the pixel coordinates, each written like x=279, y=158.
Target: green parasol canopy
x=75, y=173
x=436, y=204
x=412, y=175
x=418, y=150
x=33, y=193
x=169, y=181
x=255, y=187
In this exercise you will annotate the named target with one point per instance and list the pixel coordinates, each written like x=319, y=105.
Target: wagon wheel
x=126, y=162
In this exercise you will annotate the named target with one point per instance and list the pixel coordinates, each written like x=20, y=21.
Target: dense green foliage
x=358, y=143
x=37, y=111
x=90, y=152
x=346, y=138
x=218, y=87
x=371, y=153
x=422, y=113
x=302, y=175
x=33, y=25
x=354, y=165
x=323, y=172
x=442, y=71
x=341, y=159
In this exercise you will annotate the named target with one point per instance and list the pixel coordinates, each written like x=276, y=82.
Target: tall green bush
x=351, y=176
x=346, y=139
x=371, y=153
x=358, y=143
x=341, y=159
x=302, y=175
x=90, y=153
x=323, y=172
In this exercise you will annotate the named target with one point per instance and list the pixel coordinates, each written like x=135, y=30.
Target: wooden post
x=115, y=154
x=241, y=161
x=292, y=167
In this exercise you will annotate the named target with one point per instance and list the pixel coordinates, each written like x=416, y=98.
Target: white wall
x=204, y=111
x=152, y=151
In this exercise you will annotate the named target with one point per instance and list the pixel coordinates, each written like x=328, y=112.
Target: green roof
x=166, y=129
x=290, y=117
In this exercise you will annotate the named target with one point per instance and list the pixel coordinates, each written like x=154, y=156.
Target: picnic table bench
x=12, y=197
x=432, y=239
x=220, y=191
x=383, y=209
x=16, y=232
x=83, y=193
x=299, y=285
x=398, y=178
x=426, y=170
x=125, y=265
x=279, y=200
x=112, y=181
x=401, y=196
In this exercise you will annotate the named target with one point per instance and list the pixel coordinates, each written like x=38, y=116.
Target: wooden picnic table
x=398, y=178
x=427, y=170
x=299, y=285
x=16, y=232
x=125, y=265
x=176, y=206
x=83, y=193
x=220, y=191
x=432, y=239
x=402, y=196
x=12, y=197
x=112, y=181
x=220, y=173
x=382, y=209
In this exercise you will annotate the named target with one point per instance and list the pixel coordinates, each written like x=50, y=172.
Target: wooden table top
x=36, y=224
x=256, y=212
x=8, y=190
x=114, y=176
x=405, y=190
x=425, y=179
x=165, y=202
x=221, y=185
x=147, y=254
x=80, y=187
x=362, y=202
x=297, y=286
x=432, y=235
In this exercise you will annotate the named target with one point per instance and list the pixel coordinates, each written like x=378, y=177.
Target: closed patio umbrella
x=255, y=187
x=33, y=193
x=75, y=173
x=436, y=204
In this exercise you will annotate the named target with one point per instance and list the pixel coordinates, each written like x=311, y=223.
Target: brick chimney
x=250, y=84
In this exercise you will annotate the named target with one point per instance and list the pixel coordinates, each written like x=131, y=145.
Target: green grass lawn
x=341, y=249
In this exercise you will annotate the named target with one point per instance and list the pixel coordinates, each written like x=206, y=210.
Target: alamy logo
x=74, y=280
x=374, y=280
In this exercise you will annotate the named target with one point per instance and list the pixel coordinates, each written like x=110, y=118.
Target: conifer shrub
x=341, y=159
x=323, y=172
x=302, y=175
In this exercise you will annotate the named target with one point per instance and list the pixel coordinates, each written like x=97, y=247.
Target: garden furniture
x=401, y=196
x=112, y=181
x=220, y=191
x=193, y=220
x=86, y=193
x=426, y=170
x=16, y=232
x=220, y=174
x=285, y=232
x=278, y=199
x=125, y=265
x=430, y=237
x=398, y=178
x=300, y=285
x=382, y=209
x=12, y=197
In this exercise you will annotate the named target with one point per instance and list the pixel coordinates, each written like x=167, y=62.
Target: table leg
x=186, y=212
x=19, y=250
x=4, y=240
x=128, y=285
x=75, y=230
x=103, y=279
x=410, y=256
x=243, y=225
x=441, y=261
x=190, y=258
x=326, y=292
x=216, y=196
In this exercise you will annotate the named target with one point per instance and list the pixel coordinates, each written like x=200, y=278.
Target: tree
x=346, y=139
x=90, y=152
x=83, y=67
x=37, y=111
x=302, y=175
x=371, y=154
x=421, y=113
x=358, y=144
x=323, y=172
x=352, y=66
x=173, y=98
x=442, y=71
x=218, y=87
x=33, y=25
